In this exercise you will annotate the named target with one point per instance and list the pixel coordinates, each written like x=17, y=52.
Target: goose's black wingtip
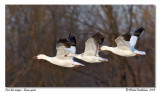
x=99, y=38
x=138, y=31
x=141, y=28
x=72, y=39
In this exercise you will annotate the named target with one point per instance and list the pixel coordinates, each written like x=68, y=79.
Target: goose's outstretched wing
x=123, y=42
x=92, y=45
x=128, y=40
x=62, y=47
x=134, y=37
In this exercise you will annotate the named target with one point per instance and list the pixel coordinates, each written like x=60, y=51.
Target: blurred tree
x=35, y=29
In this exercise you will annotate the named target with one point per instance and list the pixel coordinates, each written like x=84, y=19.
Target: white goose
x=91, y=50
x=126, y=44
x=63, y=47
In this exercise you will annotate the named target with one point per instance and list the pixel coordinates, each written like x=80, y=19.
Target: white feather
x=72, y=49
x=133, y=40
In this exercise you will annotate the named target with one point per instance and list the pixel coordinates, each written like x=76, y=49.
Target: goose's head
x=102, y=48
x=105, y=48
x=40, y=56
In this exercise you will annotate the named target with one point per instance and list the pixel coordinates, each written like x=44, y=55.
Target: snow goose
x=63, y=47
x=91, y=51
x=126, y=44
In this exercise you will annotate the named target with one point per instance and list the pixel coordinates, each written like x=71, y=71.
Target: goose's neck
x=79, y=56
x=47, y=58
x=112, y=49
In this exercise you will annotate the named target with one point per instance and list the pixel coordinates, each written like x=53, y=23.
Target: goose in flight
x=91, y=51
x=63, y=47
x=126, y=44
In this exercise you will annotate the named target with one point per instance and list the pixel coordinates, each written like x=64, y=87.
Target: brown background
x=31, y=30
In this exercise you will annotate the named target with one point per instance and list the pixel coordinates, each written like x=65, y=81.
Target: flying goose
x=91, y=51
x=126, y=44
x=63, y=47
